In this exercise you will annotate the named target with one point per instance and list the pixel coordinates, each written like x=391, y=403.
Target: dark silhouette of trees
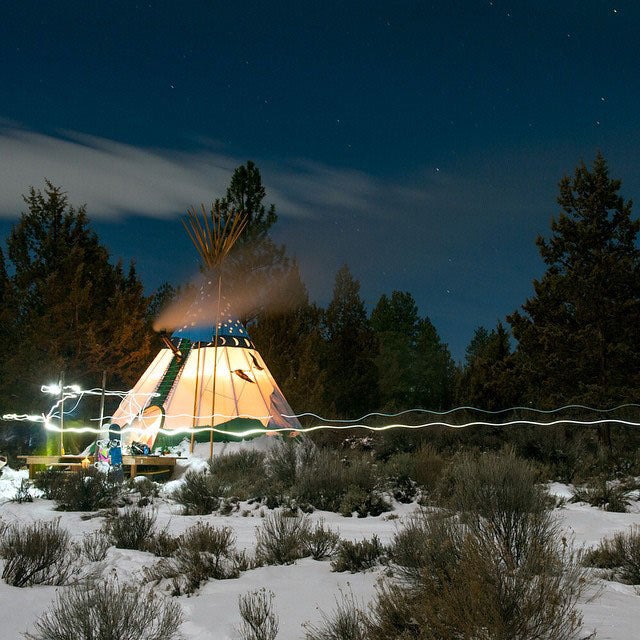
x=579, y=335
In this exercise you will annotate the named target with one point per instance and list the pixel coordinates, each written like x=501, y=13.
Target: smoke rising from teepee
x=241, y=298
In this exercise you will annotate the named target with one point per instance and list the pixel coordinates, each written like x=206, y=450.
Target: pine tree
x=253, y=271
x=74, y=311
x=395, y=321
x=435, y=369
x=579, y=335
x=352, y=379
x=487, y=380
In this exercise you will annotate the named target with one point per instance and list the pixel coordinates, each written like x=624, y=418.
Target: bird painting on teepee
x=209, y=380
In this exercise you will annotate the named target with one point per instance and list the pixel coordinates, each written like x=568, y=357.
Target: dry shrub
x=50, y=482
x=346, y=622
x=332, y=483
x=495, y=572
x=199, y=494
x=428, y=539
x=500, y=499
x=324, y=482
x=400, y=471
x=95, y=546
x=131, y=529
x=87, y=490
x=38, y=553
x=320, y=542
x=23, y=492
x=619, y=553
x=163, y=544
x=429, y=467
x=281, y=538
x=259, y=622
x=239, y=474
x=107, y=610
x=282, y=462
x=203, y=552
x=358, y=556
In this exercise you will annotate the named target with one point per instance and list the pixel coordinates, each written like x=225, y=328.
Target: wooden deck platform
x=74, y=463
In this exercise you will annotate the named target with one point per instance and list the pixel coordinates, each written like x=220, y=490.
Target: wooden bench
x=74, y=463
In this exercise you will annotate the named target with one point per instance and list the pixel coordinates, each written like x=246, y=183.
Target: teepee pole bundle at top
x=213, y=236
x=182, y=391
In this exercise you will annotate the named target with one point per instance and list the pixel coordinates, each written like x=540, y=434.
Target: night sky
x=419, y=142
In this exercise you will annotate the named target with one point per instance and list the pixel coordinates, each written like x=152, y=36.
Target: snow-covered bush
x=108, y=610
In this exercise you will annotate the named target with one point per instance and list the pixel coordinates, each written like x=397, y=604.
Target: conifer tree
x=435, y=369
x=257, y=263
x=352, y=378
x=579, y=335
x=73, y=310
x=395, y=321
x=487, y=380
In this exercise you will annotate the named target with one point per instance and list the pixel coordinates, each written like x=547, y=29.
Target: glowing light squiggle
x=73, y=392
x=343, y=427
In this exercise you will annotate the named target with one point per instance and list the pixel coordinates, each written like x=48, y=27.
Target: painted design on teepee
x=209, y=375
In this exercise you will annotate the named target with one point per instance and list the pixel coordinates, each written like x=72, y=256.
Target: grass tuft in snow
x=610, y=496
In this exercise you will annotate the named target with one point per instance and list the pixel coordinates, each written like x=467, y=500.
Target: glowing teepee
x=209, y=375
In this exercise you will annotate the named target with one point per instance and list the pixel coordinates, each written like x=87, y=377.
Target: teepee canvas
x=209, y=375
x=197, y=383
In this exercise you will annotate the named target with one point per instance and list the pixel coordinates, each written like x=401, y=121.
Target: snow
x=302, y=590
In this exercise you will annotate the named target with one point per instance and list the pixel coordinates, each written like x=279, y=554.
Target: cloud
x=116, y=179
x=112, y=178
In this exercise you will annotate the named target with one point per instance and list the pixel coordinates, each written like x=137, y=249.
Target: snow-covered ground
x=305, y=589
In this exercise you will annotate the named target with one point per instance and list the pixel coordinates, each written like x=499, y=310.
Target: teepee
x=209, y=378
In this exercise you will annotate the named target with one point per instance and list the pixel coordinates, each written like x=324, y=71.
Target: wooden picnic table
x=74, y=462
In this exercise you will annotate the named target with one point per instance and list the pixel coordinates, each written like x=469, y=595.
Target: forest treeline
x=65, y=306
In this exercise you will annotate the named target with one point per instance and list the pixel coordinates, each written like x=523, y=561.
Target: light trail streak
x=73, y=392
x=463, y=408
x=344, y=427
